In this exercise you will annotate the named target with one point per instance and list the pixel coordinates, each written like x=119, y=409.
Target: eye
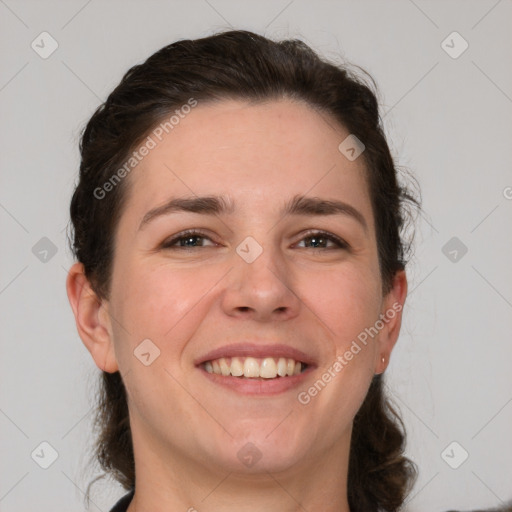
x=190, y=239
x=185, y=240
x=321, y=238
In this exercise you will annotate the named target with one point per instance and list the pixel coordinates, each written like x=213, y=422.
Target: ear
x=92, y=319
x=391, y=316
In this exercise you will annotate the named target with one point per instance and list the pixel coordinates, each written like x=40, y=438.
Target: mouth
x=256, y=369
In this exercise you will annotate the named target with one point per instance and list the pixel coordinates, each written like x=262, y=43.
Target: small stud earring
x=383, y=360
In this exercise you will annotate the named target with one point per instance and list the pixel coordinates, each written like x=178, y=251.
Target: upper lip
x=256, y=350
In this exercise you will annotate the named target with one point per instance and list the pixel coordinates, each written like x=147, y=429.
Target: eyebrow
x=218, y=205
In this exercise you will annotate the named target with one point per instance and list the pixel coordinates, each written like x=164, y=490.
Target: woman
x=240, y=282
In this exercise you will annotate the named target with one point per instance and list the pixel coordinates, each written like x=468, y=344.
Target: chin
x=257, y=451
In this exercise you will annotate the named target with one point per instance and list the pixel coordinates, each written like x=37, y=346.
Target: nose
x=262, y=290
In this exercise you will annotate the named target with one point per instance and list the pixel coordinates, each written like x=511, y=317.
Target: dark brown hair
x=243, y=65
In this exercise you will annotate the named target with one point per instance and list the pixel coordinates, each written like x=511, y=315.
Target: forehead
x=258, y=154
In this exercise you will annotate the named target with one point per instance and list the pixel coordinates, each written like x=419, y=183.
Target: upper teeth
x=267, y=368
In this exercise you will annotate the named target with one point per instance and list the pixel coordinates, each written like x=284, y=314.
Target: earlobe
x=391, y=315
x=92, y=319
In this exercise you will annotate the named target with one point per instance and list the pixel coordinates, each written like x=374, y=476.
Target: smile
x=255, y=367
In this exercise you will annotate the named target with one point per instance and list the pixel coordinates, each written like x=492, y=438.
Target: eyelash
x=169, y=244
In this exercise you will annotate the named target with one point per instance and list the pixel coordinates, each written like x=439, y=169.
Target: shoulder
x=505, y=507
x=122, y=504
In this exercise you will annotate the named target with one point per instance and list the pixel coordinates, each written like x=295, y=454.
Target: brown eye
x=320, y=239
x=186, y=240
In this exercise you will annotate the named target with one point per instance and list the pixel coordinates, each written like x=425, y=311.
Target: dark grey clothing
x=123, y=503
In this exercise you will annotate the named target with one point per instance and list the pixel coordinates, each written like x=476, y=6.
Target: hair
x=244, y=66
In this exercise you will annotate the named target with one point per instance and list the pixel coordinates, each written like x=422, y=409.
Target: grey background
x=448, y=120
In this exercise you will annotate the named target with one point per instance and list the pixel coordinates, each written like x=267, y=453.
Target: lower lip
x=259, y=386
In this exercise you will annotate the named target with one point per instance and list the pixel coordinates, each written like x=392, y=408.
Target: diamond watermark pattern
x=454, y=455
x=454, y=249
x=44, y=455
x=44, y=45
x=454, y=45
x=249, y=249
x=249, y=455
x=146, y=352
x=351, y=147
x=44, y=250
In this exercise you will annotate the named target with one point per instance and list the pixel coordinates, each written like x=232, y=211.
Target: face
x=265, y=281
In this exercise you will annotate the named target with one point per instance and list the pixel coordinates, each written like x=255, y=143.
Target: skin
x=186, y=430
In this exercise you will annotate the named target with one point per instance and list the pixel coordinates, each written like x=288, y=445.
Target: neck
x=175, y=482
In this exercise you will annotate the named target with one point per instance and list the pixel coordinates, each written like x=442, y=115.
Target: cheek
x=168, y=305
x=346, y=301
x=160, y=303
